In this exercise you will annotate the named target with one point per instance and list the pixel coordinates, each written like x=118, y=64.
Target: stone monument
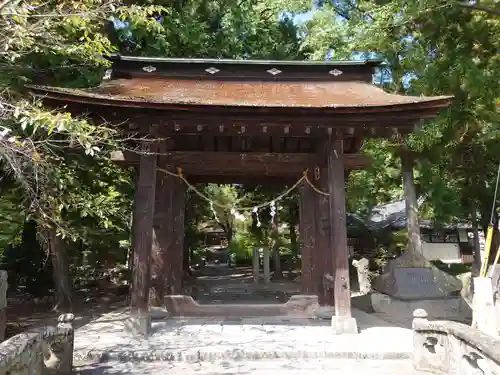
x=495, y=283
x=362, y=267
x=411, y=282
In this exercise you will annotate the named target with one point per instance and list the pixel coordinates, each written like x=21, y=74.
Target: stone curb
x=192, y=356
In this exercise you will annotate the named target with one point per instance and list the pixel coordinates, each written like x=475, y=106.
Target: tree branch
x=4, y=3
x=479, y=8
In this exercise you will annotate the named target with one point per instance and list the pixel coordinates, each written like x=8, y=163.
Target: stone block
x=344, y=325
x=298, y=306
x=3, y=289
x=484, y=306
x=139, y=324
x=158, y=313
x=324, y=312
x=495, y=283
x=301, y=304
x=362, y=268
x=412, y=277
x=451, y=308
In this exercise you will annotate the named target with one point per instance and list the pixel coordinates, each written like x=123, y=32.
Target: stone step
x=249, y=367
x=227, y=338
x=297, y=306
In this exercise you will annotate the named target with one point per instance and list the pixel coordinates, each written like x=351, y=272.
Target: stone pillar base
x=448, y=308
x=344, y=325
x=3, y=323
x=158, y=313
x=324, y=312
x=139, y=324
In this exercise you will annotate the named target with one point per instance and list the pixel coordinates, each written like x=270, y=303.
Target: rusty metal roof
x=144, y=59
x=158, y=91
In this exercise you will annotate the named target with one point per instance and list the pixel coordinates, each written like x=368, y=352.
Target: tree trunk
x=414, y=239
x=477, y=245
x=186, y=260
x=230, y=233
x=495, y=243
x=265, y=264
x=276, y=247
x=293, y=238
x=277, y=263
x=60, y=265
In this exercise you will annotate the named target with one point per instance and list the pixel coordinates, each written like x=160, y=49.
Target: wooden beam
x=142, y=239
x=209, y=163
x=289, y=128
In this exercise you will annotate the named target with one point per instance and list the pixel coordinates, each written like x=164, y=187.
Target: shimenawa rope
x=262, y=205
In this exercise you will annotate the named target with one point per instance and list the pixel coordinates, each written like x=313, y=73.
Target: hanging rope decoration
x=256, y=212
x=235, y=211
x=317, y=175
x=272, y=210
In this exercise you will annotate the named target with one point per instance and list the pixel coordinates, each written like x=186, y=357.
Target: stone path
x=193, y=339
x=274, y=367
x=235, y=285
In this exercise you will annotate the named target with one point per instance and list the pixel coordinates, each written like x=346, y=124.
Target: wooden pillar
x=176, y=249
x=324, y=256
x=266, y=265
x=342, y=321
x=142, y=239
x=277, y=274
x=414, y=241
x=162, y=230
x=255, y=265
x=307, y=225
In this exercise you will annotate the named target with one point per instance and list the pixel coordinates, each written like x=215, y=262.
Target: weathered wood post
x=324, y=257
x=277, y=274
x=265, y=262
x=255, y=265
x=162, y=235
x=342, y=321
x=176, y=250
x=307, y=239
x=142, y=239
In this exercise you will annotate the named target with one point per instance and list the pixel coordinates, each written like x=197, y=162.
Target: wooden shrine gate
x=228, y=121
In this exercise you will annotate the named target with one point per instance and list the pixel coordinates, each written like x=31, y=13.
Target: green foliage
x=207, y=28
x=11, y=219
x=452, y=269
x=377, y=184
x=449, y=49
x=55, y=169
x=242, y=244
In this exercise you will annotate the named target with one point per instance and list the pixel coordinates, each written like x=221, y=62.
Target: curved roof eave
x=362, y=103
